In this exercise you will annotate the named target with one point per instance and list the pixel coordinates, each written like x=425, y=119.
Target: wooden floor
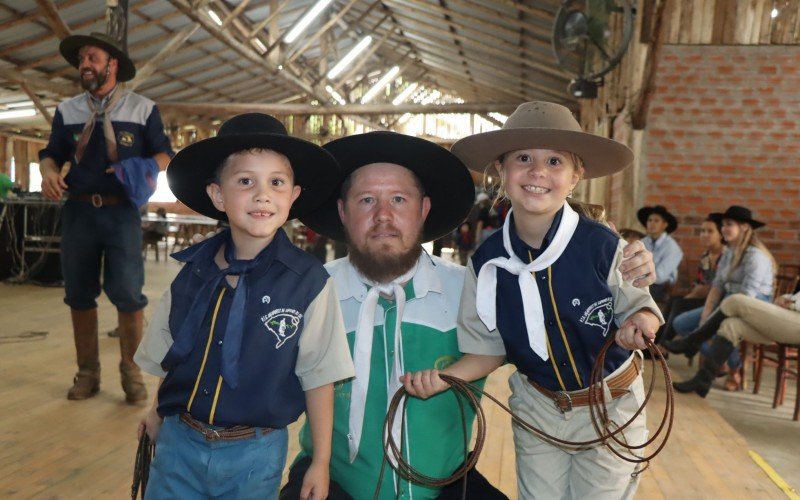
x=54, y=448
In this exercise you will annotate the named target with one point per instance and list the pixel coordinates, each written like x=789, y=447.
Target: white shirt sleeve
x=157, y=339
x=473, y=336
x=324, y=355
x=627, y=298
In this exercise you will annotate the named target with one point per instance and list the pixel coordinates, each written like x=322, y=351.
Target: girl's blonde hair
x=749, y=238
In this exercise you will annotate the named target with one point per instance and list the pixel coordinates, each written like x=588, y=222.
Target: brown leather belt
x=222, y=434
x=99, y=200
x=618, y=386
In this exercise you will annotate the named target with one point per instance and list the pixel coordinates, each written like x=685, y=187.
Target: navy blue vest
x=279, y=293
x=583, y=306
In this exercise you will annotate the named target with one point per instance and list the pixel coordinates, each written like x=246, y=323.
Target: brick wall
x=724, y=129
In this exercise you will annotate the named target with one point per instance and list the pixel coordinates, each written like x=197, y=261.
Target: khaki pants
x=549, y=472
x=757, y=321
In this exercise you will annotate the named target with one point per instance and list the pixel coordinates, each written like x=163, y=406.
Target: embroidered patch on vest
x=125, y=138
x=599, y=314
x=283, y=323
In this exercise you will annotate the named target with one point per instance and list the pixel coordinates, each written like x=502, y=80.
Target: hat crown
x=738, y=212
x=110, y=40
x=252, y=123
x=547, y=115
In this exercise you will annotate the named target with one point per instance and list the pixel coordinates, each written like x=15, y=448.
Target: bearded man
x=115, y=142
x=399, y=306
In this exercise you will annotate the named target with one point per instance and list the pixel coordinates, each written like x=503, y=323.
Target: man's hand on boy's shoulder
x=637, y=265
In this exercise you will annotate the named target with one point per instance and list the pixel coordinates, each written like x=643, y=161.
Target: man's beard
x=383, y=267
x=95, y=83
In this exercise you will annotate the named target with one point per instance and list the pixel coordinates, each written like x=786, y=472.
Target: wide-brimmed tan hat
x=544, y=125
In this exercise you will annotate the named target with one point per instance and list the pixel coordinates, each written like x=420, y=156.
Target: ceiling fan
x=589, y=39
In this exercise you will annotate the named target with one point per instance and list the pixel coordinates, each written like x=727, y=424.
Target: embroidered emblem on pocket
x=125, y=138
x=283, y=323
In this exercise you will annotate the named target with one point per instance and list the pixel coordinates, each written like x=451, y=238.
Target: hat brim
x=71, y=45
x=643, y=213
x=717, y=217
x=447, y=183
x=600, y=156
x=193, y=168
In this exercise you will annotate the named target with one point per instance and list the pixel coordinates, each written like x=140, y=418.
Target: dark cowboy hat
x=739, y=214
x=193, y=168
x=644, y=213
x=445, y=180
x=544, y=125
x=72, y=44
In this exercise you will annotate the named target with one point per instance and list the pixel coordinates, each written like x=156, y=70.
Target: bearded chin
x=383, y=267
x=95, y=83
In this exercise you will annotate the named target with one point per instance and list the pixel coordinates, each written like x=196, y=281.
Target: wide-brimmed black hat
x=644, y=213
x=443, y=176
x=739, y=214
x=72, y=44
x=193, y=168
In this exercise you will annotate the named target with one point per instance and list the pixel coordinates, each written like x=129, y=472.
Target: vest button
x=205, y=391
x=219, y=343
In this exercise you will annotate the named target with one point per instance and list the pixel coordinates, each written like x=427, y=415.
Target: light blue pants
x=187, y=466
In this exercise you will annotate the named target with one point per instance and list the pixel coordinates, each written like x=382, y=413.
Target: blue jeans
x=109, y=237
x=187, y=466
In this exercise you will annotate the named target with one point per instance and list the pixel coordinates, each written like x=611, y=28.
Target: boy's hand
x=315, y=482
x=424, y=384
x=639, y=325
x=151, y=423
x=637, y=265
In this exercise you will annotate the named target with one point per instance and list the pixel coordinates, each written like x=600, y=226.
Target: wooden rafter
x=169, y=49
x=37, y=102
x=50, y=12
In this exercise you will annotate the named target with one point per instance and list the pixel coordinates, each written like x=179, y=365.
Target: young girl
x=543, y=294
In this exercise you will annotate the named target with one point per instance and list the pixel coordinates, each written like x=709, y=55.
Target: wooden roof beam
x=57, y=24
x=169, y=49
x=324, y=29
x=37, y=102
x=344, y=110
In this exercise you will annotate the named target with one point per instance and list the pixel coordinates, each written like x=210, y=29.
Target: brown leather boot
x=87, y=380
x=130, y=334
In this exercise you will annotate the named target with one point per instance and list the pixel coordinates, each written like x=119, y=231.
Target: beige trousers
x=547, y=471
x=757, y=321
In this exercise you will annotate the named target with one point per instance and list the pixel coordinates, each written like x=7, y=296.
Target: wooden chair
x=778, y=355
x=151, y=240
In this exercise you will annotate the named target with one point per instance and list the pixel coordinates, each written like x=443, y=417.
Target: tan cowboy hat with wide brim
x=71, y=45
x=544, y=125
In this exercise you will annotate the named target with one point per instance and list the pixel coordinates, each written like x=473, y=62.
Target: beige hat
x=544, y=125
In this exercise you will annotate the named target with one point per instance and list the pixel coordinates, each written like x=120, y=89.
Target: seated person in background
x=464, y=242
x=667, y=254
x=156, y=231
x=714, y=243
x=741, y=317
x=746, y=267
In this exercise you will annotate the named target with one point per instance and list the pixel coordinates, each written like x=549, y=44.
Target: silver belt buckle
x=563, y=401
x=211, y=434
x=97, y=200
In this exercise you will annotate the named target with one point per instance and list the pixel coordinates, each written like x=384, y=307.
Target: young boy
x=250, y=333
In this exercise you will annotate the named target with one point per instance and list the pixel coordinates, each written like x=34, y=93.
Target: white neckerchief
x=362, y=354
x=486, y=301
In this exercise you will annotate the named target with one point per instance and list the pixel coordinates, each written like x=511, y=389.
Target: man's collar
x=425, y=280
x=101, y=101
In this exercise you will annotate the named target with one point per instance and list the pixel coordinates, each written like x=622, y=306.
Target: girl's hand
x=424, y=384
x=638, y=326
